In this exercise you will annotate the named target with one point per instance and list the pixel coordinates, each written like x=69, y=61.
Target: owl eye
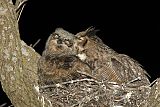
x=56, y=36
x=80, y=38
x=68, y=42
x=82, y=41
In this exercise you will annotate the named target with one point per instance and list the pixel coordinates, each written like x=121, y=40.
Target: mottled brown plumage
x=103, y=60
x=81, y=71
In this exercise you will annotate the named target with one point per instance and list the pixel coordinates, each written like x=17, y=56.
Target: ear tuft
x=91, y=31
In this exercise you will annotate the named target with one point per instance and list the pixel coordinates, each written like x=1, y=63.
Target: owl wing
x=129, y=70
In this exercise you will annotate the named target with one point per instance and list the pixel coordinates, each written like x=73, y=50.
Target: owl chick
x=59, y=42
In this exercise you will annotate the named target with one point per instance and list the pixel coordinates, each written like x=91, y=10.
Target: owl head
x=60, y=42
x=86, y=39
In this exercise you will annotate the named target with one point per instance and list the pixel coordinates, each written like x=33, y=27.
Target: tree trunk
x=18, y=62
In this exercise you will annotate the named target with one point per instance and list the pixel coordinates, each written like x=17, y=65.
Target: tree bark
x=18, y=64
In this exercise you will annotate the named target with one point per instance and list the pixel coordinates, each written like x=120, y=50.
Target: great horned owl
x=106, y=63
x=81, y=71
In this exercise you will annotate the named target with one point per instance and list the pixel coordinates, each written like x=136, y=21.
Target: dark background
x=126, y=27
